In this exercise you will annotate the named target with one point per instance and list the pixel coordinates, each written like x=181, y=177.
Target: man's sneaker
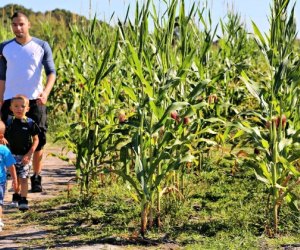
x=23, y=205
x=1, y=225
x=36, y=183
x=15, y=199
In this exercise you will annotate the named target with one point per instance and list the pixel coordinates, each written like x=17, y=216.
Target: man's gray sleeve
x=48, y=60
x=2, y=64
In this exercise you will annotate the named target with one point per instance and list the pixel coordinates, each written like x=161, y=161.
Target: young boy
x=6, y=161
x=22, y=136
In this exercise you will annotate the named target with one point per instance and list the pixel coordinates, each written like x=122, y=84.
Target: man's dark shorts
x=38, y=113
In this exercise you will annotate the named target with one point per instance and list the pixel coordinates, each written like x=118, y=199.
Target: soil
x=56, y=175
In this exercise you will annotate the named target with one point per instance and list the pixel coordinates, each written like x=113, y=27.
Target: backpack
x=10, y=120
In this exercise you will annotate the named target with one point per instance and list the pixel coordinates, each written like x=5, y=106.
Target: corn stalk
x=277, y=136
x=89, y=103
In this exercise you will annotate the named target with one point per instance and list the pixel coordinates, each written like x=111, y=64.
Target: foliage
x=277, y=137
x=172, y=101
x=91, y=106
x=52, y=26
x=221, y=210
x=179, y=120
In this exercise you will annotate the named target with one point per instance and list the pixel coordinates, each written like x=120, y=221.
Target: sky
x=257, y=11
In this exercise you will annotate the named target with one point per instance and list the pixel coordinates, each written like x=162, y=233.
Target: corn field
x=150, y=106
x=147, y=105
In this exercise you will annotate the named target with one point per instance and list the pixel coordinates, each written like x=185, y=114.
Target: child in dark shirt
x=22, y=136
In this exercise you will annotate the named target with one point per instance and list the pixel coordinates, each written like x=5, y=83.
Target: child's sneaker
x=15, y=199
x=1, y=225
x=23, y=205
x=36, y=183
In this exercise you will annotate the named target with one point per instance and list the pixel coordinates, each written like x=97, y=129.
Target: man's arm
x=42, y=100
x=2, y=88
x=50, y=71
x=2, y=74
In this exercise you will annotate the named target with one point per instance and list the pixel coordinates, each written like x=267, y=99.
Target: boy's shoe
x=36, y=183
x=15, y=199
x=23, y=205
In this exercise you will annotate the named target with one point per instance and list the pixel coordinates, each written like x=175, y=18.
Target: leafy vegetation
x=219, y=210
x=52, y=26
x=179, y=136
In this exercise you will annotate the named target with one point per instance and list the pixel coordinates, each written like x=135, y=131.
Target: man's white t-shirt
x=22, y=67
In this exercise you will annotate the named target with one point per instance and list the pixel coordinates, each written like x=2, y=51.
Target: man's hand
x=42, y=99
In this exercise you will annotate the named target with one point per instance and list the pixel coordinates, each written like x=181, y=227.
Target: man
x=22, y=60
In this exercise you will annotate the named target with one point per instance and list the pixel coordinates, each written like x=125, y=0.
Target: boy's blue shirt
x=6, y=160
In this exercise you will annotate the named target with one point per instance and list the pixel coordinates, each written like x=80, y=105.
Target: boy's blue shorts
x=2, y=192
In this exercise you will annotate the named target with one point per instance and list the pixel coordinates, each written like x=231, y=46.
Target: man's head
x=20, y=25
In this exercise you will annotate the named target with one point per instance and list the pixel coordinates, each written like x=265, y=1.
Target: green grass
x=220, y=211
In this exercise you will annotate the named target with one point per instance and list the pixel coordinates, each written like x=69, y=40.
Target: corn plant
x=234, y=52
x=5, y=29
x=275, y=136
x=152, y=158
x=145, y=106
x=90, y=103
x=158, y=125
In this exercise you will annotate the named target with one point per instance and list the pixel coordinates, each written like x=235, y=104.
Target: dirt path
x=56, y=174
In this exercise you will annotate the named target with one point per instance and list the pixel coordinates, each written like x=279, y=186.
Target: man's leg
x=37, y=162
x=36, y=179
x=39, y=114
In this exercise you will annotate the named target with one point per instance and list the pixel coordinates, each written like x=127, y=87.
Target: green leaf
x=137, y=67
x=292, y=201
x=207, y=141
x=156, y=110
x=129, y=179
x=262, y=179
x=252, y=87
x=239, y=133
x=265, y=144
x=259, y=35
x=187, y=158
x=263, y=173
x=284, y=143
x=199, y=88
x=130, y=92
x=215, y=120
